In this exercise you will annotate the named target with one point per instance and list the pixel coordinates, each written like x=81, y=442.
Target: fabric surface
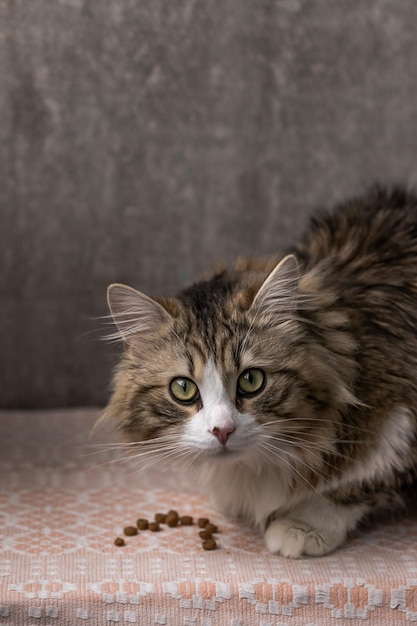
x=142, y=142
x=63, y=501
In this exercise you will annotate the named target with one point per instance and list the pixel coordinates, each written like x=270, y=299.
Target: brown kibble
x=202, y=522
x=172, y=519
x=142, y=523
x=204, y=534
x=209, y=544
x=211, y=528
x=119, y=541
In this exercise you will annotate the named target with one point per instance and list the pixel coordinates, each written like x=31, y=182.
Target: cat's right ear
x=278, y=294
x=133, y=312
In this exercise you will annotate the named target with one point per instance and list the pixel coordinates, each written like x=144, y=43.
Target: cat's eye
x=250, y=382
x=184, y=390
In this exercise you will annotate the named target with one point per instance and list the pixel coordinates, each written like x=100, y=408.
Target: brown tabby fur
x=339, y=350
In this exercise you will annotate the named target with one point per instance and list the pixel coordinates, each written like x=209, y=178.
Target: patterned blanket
x=65, y=497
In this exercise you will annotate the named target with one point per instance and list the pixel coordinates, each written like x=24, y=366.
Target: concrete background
x=142, y=142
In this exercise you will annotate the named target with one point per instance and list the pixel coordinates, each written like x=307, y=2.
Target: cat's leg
x=313, y=528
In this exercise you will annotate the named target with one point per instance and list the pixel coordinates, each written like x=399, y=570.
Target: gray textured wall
x=143, y=140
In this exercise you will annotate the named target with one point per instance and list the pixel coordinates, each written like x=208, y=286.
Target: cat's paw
x=293, y=539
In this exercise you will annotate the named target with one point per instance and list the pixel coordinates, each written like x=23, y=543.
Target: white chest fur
x=239, y=491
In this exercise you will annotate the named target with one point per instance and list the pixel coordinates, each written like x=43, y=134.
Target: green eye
x=184, y=390
x=250, y=382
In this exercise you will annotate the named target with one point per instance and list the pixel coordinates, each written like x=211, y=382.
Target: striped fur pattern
x=330, y=437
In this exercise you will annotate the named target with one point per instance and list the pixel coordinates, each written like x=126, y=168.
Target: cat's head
x=227, y=371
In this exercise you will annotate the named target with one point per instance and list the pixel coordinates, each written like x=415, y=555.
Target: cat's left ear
x=278, y=293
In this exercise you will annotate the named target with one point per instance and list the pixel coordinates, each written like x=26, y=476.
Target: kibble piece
x=154, y=526
x=209, y=544
x=142, y=523
x=202, y=522
x=172, y=519
x=130, y=531
x=204, y=534
x=119, y=541
x=186, y=520
x=173, y=513
x=160, y=518
x=211, y=528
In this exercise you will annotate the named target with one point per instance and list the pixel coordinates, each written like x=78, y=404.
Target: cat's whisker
x=129, y=457
x=325, y=447
x=294, y=469
x=193, y=457
x=118, y=461
x=138, y=466
x=303, y=420
x=156, y=449
x=135, y=445
x=105, y=450
x=315, y=448
x=304, y=478
x=173, y=458
x=297, y=436
x=130, y=444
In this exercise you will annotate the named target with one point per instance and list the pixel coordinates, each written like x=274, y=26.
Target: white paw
x=293, y=539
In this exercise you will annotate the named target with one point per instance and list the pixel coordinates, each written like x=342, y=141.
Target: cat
x=290, y=384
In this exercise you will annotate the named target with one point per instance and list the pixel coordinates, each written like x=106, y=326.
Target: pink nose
x=222, y=434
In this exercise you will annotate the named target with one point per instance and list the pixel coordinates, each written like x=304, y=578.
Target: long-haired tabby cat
x=291, y=385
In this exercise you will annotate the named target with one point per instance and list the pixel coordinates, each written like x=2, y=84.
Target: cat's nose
x=223, y=433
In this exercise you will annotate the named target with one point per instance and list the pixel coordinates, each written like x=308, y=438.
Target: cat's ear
x=278, y=293
x=133, y=312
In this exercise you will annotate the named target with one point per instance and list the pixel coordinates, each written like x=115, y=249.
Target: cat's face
x=224, y=373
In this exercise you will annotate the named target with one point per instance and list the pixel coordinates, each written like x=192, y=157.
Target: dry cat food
x=172, y=519
x=209, y=544
x=207, y=533
x=202, y=522
x=173, y=513
x=142, y=523
x=119, y=541
x=204, y=534
x=211, y=528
